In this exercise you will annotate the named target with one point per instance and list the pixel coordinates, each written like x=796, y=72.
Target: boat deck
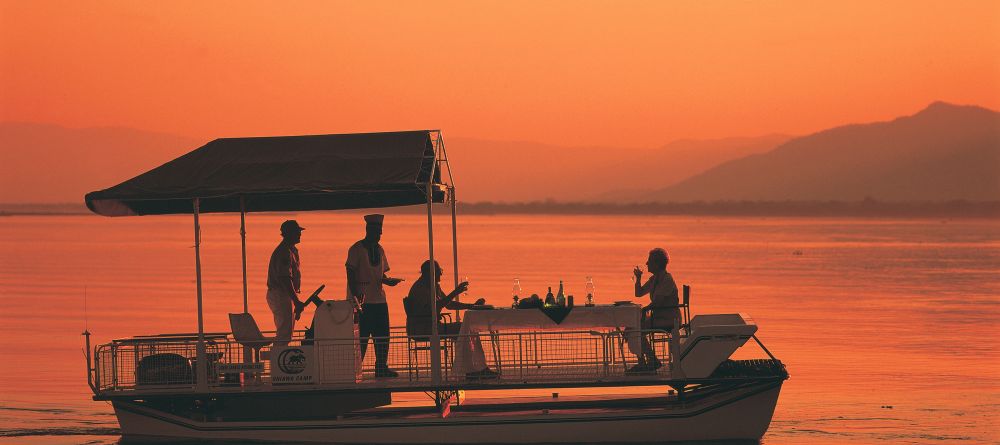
x=164, y=365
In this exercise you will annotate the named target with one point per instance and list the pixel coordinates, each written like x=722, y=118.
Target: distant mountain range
x=944, y=152
x=505, y=171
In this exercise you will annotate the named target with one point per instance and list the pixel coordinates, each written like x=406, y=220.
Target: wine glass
x=633, y=277
x=516, y=292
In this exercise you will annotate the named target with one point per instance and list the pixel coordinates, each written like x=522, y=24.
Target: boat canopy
x=284, y=173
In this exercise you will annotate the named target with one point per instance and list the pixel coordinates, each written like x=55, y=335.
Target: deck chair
x=247, y=333
x=685, y=328
x=416, y=344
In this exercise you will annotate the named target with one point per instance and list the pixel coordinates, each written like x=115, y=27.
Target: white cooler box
x=336, y=343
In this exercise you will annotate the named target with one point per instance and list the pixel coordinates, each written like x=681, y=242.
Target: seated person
x=662, y=311
x=418, y=315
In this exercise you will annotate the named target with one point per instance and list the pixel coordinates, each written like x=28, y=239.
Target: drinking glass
x=516, y=291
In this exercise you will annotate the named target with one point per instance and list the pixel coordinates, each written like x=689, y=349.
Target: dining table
x=627, y=317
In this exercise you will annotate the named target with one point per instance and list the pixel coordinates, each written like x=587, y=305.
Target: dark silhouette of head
x=373, y=228
x=425, y=270
x=291, y=231
x=658, y=260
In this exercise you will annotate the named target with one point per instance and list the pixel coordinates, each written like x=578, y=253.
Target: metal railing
x=168, y=363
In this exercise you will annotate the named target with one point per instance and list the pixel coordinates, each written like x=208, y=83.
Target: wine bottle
x=590, y=291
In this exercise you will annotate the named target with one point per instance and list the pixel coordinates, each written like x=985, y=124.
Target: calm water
x=887, y=326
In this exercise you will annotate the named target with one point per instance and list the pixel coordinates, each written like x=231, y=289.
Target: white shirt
x=364, y=272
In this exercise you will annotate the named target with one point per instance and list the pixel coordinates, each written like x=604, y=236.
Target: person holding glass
x=419, y=320
x=662, y=311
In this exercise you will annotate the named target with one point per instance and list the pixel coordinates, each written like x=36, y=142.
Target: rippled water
x=887, y=326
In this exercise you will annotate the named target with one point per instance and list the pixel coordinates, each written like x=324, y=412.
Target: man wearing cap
x=366, y=273
x=284, y=281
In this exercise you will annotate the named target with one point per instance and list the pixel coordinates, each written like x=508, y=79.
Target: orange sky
x=571, y=73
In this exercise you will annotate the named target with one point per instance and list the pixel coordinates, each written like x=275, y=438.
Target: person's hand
x=462, y=287
x=299, y=307
x=392, y=281
x=480, y=302
x=638, y=274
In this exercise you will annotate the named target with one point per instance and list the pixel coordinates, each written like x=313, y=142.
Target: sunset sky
x=570, y=73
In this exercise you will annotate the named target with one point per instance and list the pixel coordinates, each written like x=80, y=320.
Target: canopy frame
x=435, y=188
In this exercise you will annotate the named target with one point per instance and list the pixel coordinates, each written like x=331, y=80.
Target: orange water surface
x=886, y=325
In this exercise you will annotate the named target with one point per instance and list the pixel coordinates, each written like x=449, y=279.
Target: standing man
x=284, y=282
x=366, y=273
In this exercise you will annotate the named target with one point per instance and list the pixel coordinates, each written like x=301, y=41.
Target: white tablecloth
x=581, y=317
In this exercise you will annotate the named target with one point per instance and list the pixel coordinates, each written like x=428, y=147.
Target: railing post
x=90, y=371
x=114, y=366
x=674, y=345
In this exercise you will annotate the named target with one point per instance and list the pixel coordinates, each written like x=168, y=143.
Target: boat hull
x=740, y=414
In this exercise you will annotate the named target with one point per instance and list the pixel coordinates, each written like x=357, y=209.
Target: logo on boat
x=292, y=361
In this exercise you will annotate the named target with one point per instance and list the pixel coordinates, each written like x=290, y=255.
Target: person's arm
x=288, y=281
x=450, y=302
x=297, y=305
x=353, y=287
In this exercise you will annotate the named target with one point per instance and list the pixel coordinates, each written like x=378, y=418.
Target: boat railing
x=167, y=363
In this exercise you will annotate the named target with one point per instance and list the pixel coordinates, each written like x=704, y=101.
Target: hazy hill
x=42, y=163
x=505, y=171
x=48, y=163
x=944, y=152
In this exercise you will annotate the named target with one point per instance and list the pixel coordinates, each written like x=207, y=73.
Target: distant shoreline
x=866, y=208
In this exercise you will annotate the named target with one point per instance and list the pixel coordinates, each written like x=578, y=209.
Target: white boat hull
x=742, y=414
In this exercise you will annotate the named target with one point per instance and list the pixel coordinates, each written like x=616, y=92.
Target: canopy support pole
x=435, y=339
x=243, y=241
x=454, y=242
x=201, y=368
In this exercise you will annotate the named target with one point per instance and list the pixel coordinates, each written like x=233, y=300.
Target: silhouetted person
x=284, y=282
x=419, y=319
x=662, y=311
x=366, y=273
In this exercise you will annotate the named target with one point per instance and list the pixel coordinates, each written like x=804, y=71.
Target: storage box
x=336, y=343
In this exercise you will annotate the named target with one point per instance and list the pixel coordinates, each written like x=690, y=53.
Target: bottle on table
x=591, y=290
x=516, y=292
x=561, y=296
